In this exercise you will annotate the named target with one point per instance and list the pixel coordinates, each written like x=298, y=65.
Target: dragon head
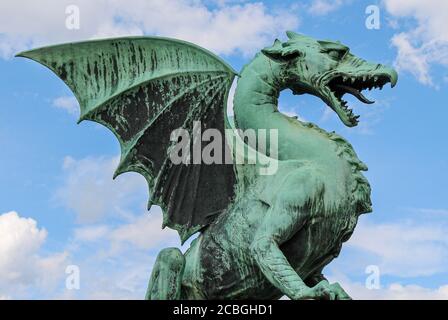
x=328, y=70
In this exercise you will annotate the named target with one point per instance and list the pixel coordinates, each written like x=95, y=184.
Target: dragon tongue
x=354, y=92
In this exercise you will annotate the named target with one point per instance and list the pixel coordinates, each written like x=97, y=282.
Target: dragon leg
x=285, y=218
x=166, y=276
x=280, y=273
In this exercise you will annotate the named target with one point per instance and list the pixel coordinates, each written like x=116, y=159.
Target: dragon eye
x=335, y=54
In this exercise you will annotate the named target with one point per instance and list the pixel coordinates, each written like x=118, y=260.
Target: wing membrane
x=142, y=89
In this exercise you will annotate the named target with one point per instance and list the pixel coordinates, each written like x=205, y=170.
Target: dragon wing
x=142, y=89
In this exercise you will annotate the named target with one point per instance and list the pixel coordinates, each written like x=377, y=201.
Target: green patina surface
x=261, y=236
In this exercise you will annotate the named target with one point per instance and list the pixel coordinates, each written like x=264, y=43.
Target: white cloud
x=411, y=59
x=145, y=232
x=119, y=262
x=425, y=44
x=142, y=232
x=434, y=213
x=91, y=233
x=122, y=256
x=389, y=245
x=22, y=264
x=68, y=104
x=91, y=193
x=125, y=277
x=323, y=7
x=227, y=29
x=116, y=254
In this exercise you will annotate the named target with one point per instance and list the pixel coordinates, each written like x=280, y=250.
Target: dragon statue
x=260, y=236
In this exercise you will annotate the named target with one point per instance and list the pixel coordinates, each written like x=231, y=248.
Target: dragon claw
x=326, y=291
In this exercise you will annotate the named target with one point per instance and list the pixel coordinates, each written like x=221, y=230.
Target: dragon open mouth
x=341, y=84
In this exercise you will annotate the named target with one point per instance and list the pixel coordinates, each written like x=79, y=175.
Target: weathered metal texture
x=142, y=89
x=261, y=236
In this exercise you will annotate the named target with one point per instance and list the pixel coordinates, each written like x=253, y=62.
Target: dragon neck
x=256, y=107
x=256, y=96
x=257, y=93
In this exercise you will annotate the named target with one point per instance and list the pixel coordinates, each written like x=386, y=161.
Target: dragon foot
x=324, y=291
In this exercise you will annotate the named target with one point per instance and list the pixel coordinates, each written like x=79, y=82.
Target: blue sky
x=60, y=207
